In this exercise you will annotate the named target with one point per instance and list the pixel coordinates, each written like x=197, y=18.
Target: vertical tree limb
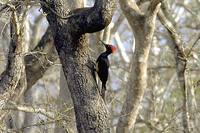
x=15, y=66
x=10, y=77
x=143, y=27
x=64, y=97
x=181, y=64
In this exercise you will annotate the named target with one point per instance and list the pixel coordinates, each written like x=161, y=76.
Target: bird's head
x=109, y=48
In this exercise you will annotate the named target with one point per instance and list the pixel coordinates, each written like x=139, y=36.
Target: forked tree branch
x=143, y=26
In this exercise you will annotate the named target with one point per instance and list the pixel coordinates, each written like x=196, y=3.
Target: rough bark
x=143, y=26
x=40, y=59
x=64, y=97
x=72, y=47
x=11, y=76
x=10, y=85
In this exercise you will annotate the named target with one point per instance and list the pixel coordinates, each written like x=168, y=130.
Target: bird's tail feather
x=103, y=92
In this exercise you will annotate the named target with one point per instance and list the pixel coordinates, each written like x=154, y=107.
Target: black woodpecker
x=102, y=67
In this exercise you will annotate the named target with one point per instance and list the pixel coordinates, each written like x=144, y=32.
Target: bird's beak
x=102, y=42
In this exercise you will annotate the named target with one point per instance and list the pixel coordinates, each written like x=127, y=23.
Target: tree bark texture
x=40, y=58
x=143, y=25
x=64, y=97
x=11, y=76
x=10, y=84
x=72, y=47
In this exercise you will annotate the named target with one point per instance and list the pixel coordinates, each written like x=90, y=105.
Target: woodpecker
x=102, y=67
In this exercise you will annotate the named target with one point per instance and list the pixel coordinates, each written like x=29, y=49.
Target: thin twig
x=195, y=43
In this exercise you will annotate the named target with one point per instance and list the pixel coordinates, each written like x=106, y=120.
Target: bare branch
x=148, y=124
x=195, y=43
x=37, y=62
x=42, y=123
x=29, y=109
x=181, y=64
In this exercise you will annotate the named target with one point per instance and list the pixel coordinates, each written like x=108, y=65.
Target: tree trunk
x=143, y=27
x=72, y=47
x=64, y=97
